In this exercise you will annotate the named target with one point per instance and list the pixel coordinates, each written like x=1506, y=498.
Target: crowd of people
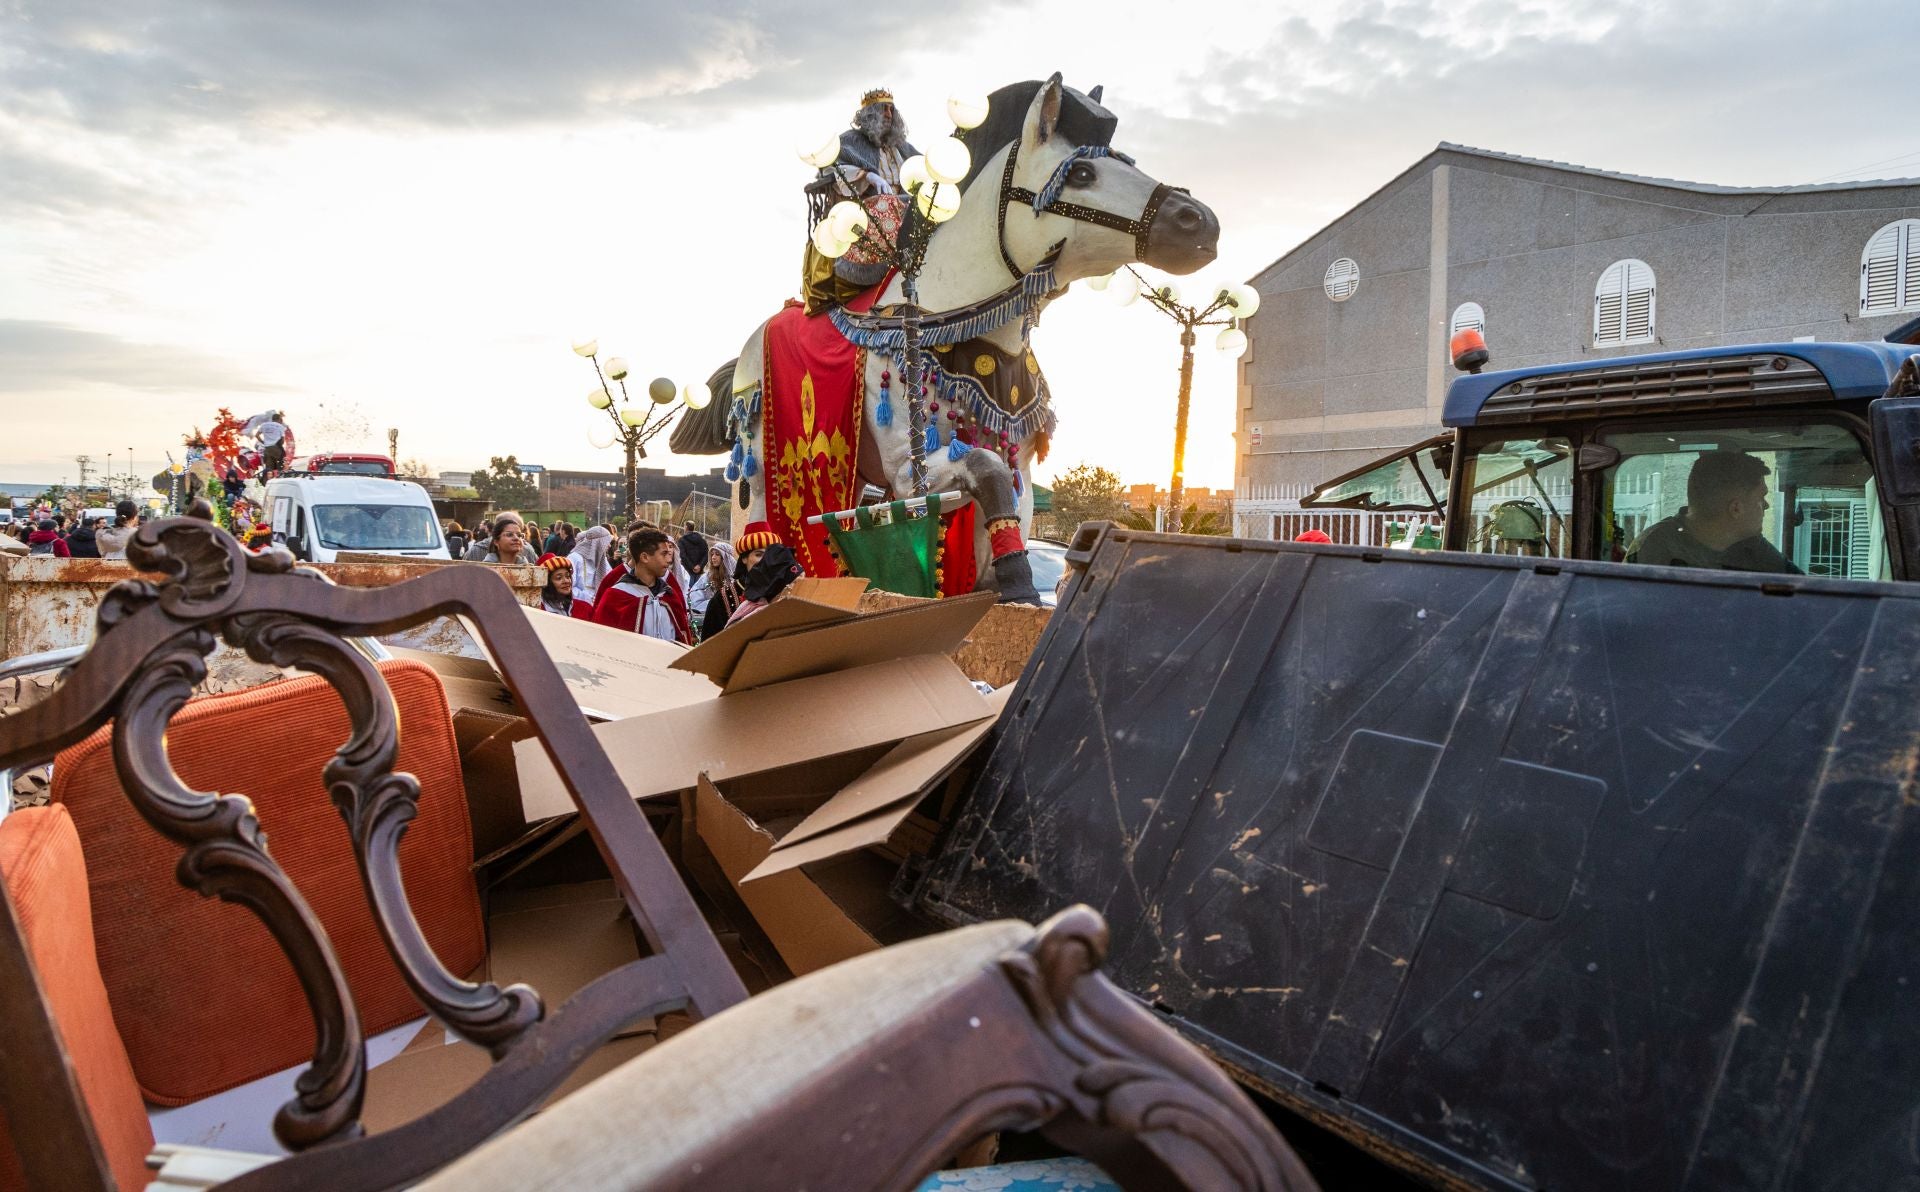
x=642, y=579
x=66, y=536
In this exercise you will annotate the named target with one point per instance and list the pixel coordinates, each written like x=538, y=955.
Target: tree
x=417, y=469
x=502, y=485
x=1193, y=520
x=1084, y=492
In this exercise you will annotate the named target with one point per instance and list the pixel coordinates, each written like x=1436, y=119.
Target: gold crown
x=877, y=95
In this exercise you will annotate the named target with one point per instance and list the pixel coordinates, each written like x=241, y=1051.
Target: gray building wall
x=1326, y=385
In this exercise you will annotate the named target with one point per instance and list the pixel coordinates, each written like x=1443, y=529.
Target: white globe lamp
x=948, y=159
x=967, y=110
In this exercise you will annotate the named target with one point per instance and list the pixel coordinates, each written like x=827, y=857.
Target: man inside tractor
x=1720, y=527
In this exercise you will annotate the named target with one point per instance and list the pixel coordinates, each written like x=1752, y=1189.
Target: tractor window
x=1787, y=498
x=1412, y=480
x=1519, y=497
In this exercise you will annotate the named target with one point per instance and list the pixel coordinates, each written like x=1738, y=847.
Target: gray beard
x=871, y=121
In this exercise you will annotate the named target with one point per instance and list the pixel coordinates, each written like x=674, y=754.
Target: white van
x=316, y=516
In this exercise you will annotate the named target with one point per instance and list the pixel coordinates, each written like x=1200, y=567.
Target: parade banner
x=811, y=407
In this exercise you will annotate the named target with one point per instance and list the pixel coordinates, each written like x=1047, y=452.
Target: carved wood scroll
x=153, y=639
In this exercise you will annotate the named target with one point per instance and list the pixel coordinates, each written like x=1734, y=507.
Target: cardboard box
x=811, y=851
x=556, y=939
x=612, y=674
x=869, y=810
x=816, y=917
x=798, y=682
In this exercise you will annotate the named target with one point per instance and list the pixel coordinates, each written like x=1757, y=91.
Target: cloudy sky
x=378, y=213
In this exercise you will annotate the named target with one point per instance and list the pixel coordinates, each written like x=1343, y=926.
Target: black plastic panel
x=1579, y=876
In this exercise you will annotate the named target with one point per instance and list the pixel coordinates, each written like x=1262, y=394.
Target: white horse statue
x=1068, y=206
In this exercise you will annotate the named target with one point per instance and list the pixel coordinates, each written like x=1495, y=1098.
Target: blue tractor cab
x=1797, y=458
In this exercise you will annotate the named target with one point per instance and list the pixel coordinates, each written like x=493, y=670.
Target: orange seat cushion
x=204, y=997
x=47, y=883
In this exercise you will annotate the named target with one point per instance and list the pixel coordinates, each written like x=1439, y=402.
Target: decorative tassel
x=956, y=449
x=1016, y=483
x=752, y=466
x=733, y=472
x=883, y=411
x=933, y=438
x=738, y=457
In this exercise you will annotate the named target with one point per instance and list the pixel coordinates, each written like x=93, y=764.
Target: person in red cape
x=647, y=598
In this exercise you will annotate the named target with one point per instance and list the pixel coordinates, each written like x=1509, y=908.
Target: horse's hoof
x=1015, y=576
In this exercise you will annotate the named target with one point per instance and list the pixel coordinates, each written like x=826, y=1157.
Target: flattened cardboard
x=614, y=674
x=868, y=810
x=835, y=592
x=751, y=731
x=456, y=666
x=417, y=1082
x=807, y=928
x=715, y=657
x=485, y=742
x=558, y=938
x=936, y=627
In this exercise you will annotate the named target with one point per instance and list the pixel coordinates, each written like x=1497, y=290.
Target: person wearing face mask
x=766, y=580
x=748, y=550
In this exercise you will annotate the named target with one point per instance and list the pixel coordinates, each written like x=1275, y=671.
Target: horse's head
x=1069, y=188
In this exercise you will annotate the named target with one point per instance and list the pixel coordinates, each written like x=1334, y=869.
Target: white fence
x=1273, y=512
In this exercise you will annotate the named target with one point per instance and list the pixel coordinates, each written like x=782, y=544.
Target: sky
x=385, y=213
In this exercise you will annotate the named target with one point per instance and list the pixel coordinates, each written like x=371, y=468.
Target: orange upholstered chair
x=202, y=993
x=47, y=883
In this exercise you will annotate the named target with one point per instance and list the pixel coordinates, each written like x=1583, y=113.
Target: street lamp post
x=1227, y=307
x=635, y=424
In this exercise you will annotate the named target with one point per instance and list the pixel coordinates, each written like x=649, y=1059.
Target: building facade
x=604, y=494
x=1349, y=351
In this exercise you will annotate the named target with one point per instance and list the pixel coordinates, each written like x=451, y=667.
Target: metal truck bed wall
x=1527, y=873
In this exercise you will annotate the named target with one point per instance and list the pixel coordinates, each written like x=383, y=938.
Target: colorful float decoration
x=908, y=366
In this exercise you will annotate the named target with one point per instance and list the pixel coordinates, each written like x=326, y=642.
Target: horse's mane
x=1082, y=122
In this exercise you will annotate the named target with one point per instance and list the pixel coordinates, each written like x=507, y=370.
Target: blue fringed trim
x=956, y=449
x=933, y=438
x=884, y=332
x=751, y=467
x=1051, y=190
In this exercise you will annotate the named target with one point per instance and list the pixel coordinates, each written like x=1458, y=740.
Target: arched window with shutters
x=1465, y=315
x=1890, y=269
x=1623, y=305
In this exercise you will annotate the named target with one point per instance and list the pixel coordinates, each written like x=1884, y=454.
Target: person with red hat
x=647, y=598
x=1312, y=536
x=757, y=537
x=556, y=596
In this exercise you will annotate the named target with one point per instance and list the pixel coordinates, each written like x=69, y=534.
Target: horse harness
x=1010, y=194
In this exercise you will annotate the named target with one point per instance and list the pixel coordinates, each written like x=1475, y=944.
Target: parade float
x=220, y=464
x=909, y=367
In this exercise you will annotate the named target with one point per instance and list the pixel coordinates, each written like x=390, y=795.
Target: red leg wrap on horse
x=1005, y=540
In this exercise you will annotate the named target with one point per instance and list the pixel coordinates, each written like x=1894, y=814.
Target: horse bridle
x=1009, y=194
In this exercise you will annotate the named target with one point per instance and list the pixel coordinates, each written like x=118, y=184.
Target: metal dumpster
x=1521, y=872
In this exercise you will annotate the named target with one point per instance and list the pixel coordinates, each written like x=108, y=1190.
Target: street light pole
x=1177, y=490
x=1228, y=306
x=635, y=423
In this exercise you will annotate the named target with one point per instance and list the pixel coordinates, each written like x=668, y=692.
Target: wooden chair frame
x=151, y=648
